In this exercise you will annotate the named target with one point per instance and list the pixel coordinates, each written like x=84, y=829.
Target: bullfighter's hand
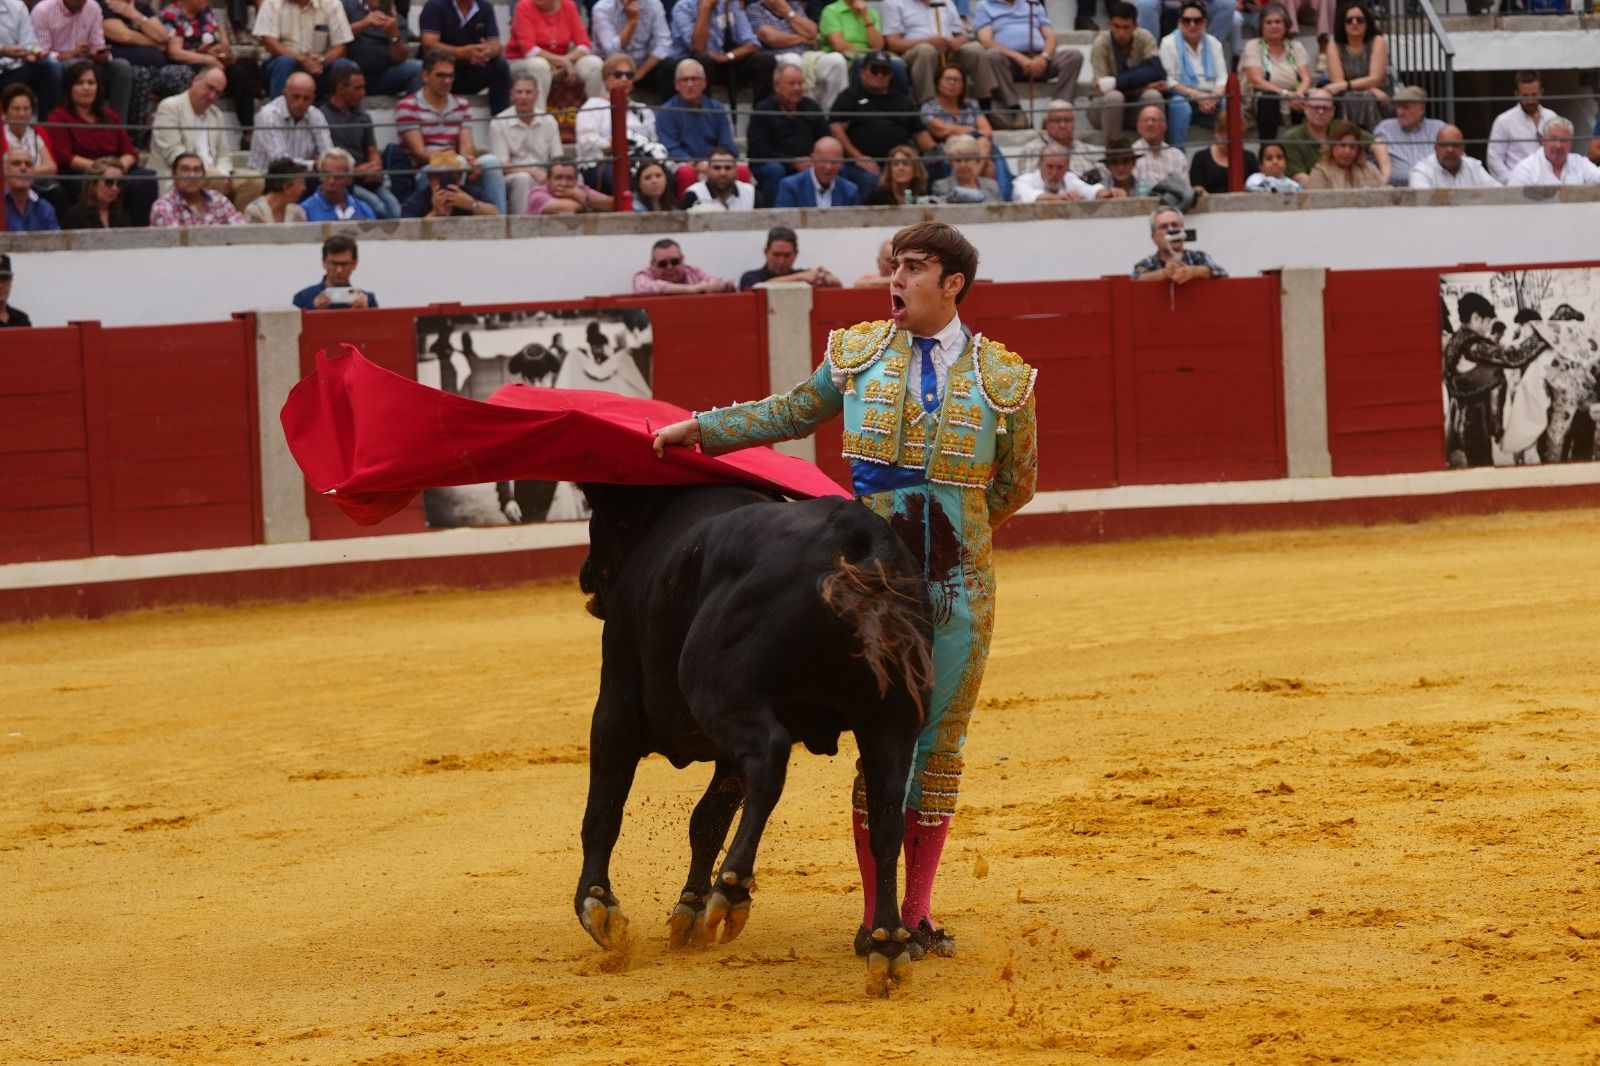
x=684, y=434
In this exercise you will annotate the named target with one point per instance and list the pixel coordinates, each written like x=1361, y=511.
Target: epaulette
x=854, y=349
x=1004, y=379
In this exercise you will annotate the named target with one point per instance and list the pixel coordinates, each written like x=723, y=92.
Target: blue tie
x=930, y=380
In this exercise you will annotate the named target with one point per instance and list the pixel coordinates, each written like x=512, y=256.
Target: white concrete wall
x=146, y=285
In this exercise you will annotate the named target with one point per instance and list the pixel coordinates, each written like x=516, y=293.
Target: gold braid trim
x=1004, y=379
x=853, y=350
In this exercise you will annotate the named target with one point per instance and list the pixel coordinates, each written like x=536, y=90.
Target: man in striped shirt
x=434, y=120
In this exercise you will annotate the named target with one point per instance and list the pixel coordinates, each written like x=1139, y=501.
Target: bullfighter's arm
x=791, y=416
x=1016, y=466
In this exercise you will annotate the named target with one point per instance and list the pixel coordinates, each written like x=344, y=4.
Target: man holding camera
x=1173, y=261
x=339, y=259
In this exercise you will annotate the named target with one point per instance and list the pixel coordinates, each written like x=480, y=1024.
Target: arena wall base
x=496, y=558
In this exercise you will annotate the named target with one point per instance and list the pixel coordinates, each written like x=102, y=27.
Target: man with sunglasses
x=1303, y=143
x=669, y=275
x=871, y=121
x=593, y=127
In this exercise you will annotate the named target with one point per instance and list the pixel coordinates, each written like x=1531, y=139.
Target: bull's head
x=619, y=517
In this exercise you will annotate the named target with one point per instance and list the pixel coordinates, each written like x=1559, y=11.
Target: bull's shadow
x=737, y=625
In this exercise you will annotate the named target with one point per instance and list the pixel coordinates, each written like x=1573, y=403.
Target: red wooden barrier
x=44, y=451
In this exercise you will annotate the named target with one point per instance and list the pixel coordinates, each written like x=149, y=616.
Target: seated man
x=563, y=194
x=783, y=127
x=75, y=29
x=880, y=277
x=852, y=28
x=433, y=121
x=1116, y=169
x=820, y=184
x=1173, y=262
x=289, y=127
x=641, y=30
x=593, y=127
x=1197, y=73
x=11, y=316
x=1020, y=40
x=781, y=250
x=1554, y=163
x=691, y=123
x=190, y=203
x=333, y=202
x=717, y=34
x=1127, y=67
x=21, y=58
x=339, y=258
x=549, y=44
x=524, y=141
x=927, y=35
x=304, y=35
x=1410, y=136
x=1304, y=142
x=380, y=47
x=189, y=122
x=350, y=127
x=790, y=37
x=1158, y=161
x=446, y=191
x=721, y=186
x=1060, y=131
x=1054, y=180
x=870, y=122
x=197, y=39
x=26, y=210
x=469, y=34
x=1449, y=167
x=669, y=275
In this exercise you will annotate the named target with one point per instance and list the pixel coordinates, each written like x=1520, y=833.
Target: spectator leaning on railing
x=305, y=35
x=340, y=256
x=1174, y=261
x=669, y=275
x=1449, y=167
x=781, y=250
x=1554, y=163
x=1515, y=133
x=564, y=194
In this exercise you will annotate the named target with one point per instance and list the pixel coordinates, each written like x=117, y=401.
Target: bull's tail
x=889, y=615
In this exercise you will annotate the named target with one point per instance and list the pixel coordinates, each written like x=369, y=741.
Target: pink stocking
x=869, y=868
x=924, y=845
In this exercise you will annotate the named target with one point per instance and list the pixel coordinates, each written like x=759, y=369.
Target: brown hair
x=1338, y=132
x=945, y=243
x=97, y=170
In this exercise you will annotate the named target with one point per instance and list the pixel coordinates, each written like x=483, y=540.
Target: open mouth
x=897, y=306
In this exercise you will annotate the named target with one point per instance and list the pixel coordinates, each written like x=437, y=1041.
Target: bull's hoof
x=602, y=918
x=686, y=925
x=927, y=940
x=727, y=911
x=886, y=973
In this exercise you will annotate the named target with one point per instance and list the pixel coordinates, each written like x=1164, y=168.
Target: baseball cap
x=5, y=266
x=880, y=58
x=1411, y=94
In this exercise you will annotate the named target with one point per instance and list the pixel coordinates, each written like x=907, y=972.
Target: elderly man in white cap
x=1410, y=135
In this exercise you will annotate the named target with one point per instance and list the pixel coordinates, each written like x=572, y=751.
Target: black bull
x=736, y=626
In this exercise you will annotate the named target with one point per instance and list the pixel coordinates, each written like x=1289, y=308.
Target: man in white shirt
x=1158, y=160
x=1554, y=163
x=1054, y=180
x=1515, y=133
x=190, y=122
x=721, y=188
x=524, y=141
x=289, y=127
x=1410, y=135
x=927, y=34
x=308, y=35
x=1060, y=128
x=1450, y=167
x=1197, y=73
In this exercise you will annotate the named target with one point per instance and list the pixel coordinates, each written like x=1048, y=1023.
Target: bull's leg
x=886, y=766
x=764, y=760
x=612, y=763
x=708, y=829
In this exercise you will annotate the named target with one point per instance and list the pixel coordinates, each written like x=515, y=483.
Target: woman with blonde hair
x=903, y=178
x=1344, y=164
x=99, y=205
x=966, y=183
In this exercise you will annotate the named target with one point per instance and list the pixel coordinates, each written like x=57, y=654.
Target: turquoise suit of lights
x=944, y=473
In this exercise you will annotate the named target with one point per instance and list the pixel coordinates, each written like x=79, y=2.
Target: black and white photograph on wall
x=1521, y=353
x=472, y=355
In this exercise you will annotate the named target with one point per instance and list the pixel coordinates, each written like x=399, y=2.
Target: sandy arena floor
x=1302, y=798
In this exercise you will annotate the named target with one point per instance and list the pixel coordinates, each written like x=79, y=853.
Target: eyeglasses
x=1354, y=20
x=876, y=69
x=691, y=77
x=1170, y=227
x=669, y=263
x=111, y=183
x=625, y=75
x=1192, y=20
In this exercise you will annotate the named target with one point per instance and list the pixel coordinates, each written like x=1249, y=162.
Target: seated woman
x=548, y=43
x=1344, y=164
x=902, y=180
x=20, y=107
x=652, y=189
x=1274, y=173
x=84, y=129
x=1278, y=72
x=100, y=205
x=966, y=184
x=1208, y=169
x=286, y=187
x=1358, y=67
x=1197, y=73
x=949, y=113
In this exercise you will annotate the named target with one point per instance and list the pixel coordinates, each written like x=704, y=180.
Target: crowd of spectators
x=850, y=103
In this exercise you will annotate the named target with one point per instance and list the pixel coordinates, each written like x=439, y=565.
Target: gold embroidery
x=870, y=449
x=950, y=470
x=881, y=392
x=896, y=365
x=1003, y=378
x=855, y=349
x=877, y=420
x=957, y=444
x=960, y=387
x=964, y=415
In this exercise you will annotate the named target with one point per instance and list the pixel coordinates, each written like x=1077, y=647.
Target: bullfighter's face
x=919, y=300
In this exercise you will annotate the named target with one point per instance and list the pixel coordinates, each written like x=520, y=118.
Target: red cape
x=374, y=440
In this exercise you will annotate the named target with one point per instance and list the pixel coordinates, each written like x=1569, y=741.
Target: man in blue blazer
x=821, y=186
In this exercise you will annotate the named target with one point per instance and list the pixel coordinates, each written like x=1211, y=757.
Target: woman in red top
x=548, y=43
x=85, y=129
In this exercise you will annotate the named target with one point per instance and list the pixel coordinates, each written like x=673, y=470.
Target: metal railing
x=1420, y=53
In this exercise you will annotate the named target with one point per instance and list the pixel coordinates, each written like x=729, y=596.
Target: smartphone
x=340, y=294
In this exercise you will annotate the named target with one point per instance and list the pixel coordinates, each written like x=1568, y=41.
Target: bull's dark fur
x=736, y=626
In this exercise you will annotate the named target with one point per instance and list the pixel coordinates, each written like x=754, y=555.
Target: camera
x=1176, y=239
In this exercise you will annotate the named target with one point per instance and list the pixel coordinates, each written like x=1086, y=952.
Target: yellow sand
x=1307, y=797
